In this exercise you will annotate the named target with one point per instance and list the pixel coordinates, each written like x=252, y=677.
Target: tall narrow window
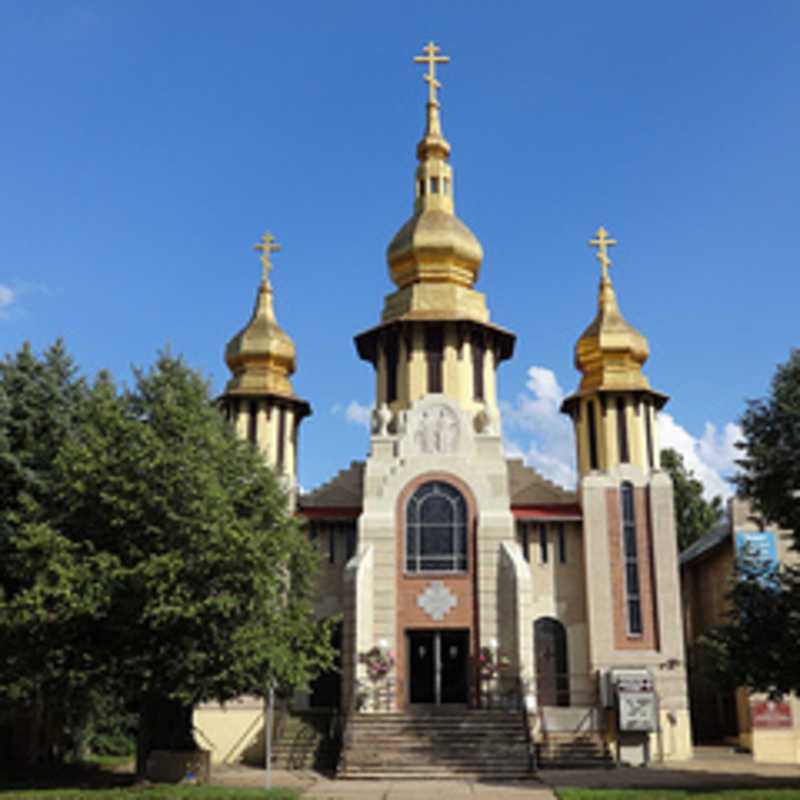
x=562, y=543
x=252, y=423
x=478, y=352
x=434, y=352
x=631, y=561
x=542, y=543
x=281, y=438
x=390, y=352
x=592, y=435
x=421, y=187
x=524, y=541
x=622, y=432
x=332, y=526
x=434, y=186
x=350, y=542
x=649, y=434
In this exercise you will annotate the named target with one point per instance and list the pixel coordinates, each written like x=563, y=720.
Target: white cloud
x=7, y=296
x=710, y=457
x=552, y=447
x=551, y=439
x=359, y=414
x=355, y=412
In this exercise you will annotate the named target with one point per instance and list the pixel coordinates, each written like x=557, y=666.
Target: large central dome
x=434, y=245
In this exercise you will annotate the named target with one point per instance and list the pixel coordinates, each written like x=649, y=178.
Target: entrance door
x=438, y=666
x=552, y=671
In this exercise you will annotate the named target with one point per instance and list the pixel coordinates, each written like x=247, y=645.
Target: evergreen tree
x=694, y=515
x=155, y=559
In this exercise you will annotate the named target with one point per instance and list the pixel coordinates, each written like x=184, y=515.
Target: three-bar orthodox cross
x=431, y=59
x=602, y=242
x=268, y=245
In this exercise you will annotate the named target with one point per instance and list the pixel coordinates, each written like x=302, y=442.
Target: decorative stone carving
x=486, y=421
x=437, y=600
x=437, y=430
x=381, y=417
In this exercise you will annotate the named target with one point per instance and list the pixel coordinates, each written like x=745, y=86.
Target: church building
x=464, y=579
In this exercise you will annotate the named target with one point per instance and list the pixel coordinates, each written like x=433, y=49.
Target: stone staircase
x=571, y=737
x=573, y=750
x=436, y=745
x=304, y=741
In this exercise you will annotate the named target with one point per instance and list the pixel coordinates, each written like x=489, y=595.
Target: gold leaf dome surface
x=610, y=352
x=261, y=356
x=434, y=245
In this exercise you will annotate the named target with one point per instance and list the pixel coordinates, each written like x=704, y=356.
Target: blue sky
x=146, y=146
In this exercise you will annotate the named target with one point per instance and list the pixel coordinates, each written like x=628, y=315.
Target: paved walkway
x=711, y=767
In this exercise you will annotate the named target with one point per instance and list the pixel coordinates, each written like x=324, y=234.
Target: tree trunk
x=163, y=725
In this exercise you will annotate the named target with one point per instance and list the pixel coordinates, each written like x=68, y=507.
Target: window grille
x=436, y=529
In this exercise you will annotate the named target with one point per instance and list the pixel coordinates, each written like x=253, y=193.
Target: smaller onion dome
x=261, y=356
x=610, y=352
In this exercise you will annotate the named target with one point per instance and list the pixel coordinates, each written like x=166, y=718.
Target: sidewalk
x=711, y=767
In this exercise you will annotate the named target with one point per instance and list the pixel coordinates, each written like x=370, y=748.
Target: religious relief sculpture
x=437, y=430
x=436, y=601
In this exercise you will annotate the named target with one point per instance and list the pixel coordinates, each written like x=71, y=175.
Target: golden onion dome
x=434, y=245
x=261, y=356
x=610, y=352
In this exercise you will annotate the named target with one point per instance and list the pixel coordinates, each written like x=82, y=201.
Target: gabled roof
x=528, y=488
x=345, y=491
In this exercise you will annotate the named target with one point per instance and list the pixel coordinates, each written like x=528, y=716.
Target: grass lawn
x=157, y=792
x=677, y=794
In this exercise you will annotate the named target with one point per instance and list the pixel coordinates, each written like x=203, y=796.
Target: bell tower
x=258, y=398
x=631, y=578
x=614, y=408
x=435, y=336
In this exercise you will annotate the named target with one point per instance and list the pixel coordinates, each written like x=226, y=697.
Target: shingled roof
x=346, y=490
x=528, y=488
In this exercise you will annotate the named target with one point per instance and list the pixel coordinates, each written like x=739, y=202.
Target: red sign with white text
x=771, y=714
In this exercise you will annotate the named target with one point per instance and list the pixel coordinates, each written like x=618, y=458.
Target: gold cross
x=432, y=60
x=267, y=246
x=602, y=242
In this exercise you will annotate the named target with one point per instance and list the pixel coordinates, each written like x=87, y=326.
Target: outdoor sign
x=636, y=699
x=771, y=714
x=760, y=545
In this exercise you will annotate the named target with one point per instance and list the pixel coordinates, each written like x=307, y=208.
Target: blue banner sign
x=760, y=545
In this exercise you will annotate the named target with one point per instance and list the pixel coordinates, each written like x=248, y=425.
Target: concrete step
x=448, y=744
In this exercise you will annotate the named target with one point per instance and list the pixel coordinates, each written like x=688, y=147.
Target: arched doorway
x=552, y=667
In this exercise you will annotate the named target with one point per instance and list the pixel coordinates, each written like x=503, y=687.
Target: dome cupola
x=434, y=245
x=261, y=356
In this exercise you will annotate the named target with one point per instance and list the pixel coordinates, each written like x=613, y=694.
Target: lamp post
x=268, y=735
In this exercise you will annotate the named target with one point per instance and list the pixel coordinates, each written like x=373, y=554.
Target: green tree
x=210, y=578
x=757, y=645
x=694, y=515
x=164, y=565
x=50, y=589
x=770, y=459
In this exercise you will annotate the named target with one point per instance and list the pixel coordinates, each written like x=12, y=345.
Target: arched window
x=436, y=529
